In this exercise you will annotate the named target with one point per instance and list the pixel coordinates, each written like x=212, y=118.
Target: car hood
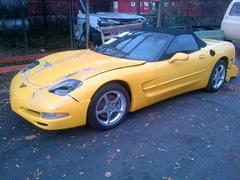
x=80, y=65
x=117, y=16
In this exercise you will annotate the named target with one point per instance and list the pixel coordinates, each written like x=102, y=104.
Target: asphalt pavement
x=192, y=136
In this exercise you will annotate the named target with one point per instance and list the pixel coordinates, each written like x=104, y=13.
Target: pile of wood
x=112, y=31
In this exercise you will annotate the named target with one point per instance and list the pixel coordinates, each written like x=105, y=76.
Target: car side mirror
x=179, y=57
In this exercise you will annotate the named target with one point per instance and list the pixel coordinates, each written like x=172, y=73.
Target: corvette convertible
x=134, y=70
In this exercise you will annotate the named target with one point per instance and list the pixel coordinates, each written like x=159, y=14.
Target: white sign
x=115, y=5
x=133, y=4
x=110, y=41
x=146, y=4
x=123, y=34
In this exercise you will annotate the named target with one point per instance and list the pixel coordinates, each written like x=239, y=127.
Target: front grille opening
x=32, y=112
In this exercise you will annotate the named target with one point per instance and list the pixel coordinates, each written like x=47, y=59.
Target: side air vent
x=212, y=52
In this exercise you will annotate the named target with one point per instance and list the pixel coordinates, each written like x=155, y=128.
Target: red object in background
x=30, y=57
x=8, y=69
x=130, y=6
x=16, y=59
x=62, y=7
x=190, y=8
x=53, y=7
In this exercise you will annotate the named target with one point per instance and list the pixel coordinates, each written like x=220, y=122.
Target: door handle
x=202, y=56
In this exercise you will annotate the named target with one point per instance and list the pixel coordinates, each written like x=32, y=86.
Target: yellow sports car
x=134, y=70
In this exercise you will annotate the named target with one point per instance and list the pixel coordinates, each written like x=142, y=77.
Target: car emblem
x=23, y=85
x=47, y=64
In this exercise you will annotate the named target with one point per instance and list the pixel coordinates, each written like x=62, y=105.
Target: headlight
x=65, y=87
x=30, y=66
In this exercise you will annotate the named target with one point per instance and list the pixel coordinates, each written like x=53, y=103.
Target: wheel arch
x=225, y=58
x=90, y=119
x=120, y=82
x=209, y=87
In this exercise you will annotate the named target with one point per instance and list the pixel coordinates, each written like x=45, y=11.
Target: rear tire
x=217, y=77
x=109, y=107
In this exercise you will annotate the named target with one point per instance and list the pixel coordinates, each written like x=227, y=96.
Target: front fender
x=136, y=77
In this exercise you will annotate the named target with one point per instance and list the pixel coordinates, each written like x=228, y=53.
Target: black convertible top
x=174, y=32
x=137, y=44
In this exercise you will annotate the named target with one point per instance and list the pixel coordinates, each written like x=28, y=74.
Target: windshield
x=138, y=45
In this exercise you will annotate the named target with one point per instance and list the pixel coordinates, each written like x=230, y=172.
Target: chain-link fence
x=45, y=24
x=35, y=24
x=194, y=13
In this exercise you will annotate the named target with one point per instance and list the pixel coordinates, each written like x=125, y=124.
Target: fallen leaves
x=106, y=135
x=147, y=124
x=108, y=174
x=4, y=138
x=111, y=158
x=48, y=157
x=37, y=174
x=181, y=160
x=163, y=150
x=30, y=137
x=227, y=128
x=167, y=178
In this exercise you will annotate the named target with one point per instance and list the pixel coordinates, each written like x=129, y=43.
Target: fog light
x=54, y=115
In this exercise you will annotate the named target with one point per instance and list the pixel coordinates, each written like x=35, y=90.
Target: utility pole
x=23, y=18
x=160, y=13
x=45, y=22
x=71, y=24
x=87, y=23
x=81, y=4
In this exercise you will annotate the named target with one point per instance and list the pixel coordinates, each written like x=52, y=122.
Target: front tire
x=109, y=107
x=218, y=76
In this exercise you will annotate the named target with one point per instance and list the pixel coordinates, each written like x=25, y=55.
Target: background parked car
x=104, y=19
x=231, y=22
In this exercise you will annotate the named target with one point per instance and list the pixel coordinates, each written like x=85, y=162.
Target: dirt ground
x=192, y=136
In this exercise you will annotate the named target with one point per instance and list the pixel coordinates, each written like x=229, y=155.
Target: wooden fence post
x=71, y=25
x=87, y=23
x=160, y=13
x=45, y=22
x=23, y=18
x=138, y=7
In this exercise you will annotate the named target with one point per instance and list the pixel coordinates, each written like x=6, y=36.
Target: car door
x=178, y=77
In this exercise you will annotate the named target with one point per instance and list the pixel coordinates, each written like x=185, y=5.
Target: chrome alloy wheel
x=219, y=76
x=110, y=108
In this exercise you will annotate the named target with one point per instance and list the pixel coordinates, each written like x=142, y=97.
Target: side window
x=184, y=43
x=235, y=11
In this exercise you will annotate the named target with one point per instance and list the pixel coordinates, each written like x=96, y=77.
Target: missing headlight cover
x=30, y=66
x=65, y=87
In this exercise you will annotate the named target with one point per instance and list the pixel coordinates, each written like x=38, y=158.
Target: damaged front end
x=44, y=109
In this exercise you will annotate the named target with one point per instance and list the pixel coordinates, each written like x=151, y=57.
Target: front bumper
x=30, y=101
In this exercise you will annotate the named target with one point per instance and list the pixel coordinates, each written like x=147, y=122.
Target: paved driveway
x=193, y=136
